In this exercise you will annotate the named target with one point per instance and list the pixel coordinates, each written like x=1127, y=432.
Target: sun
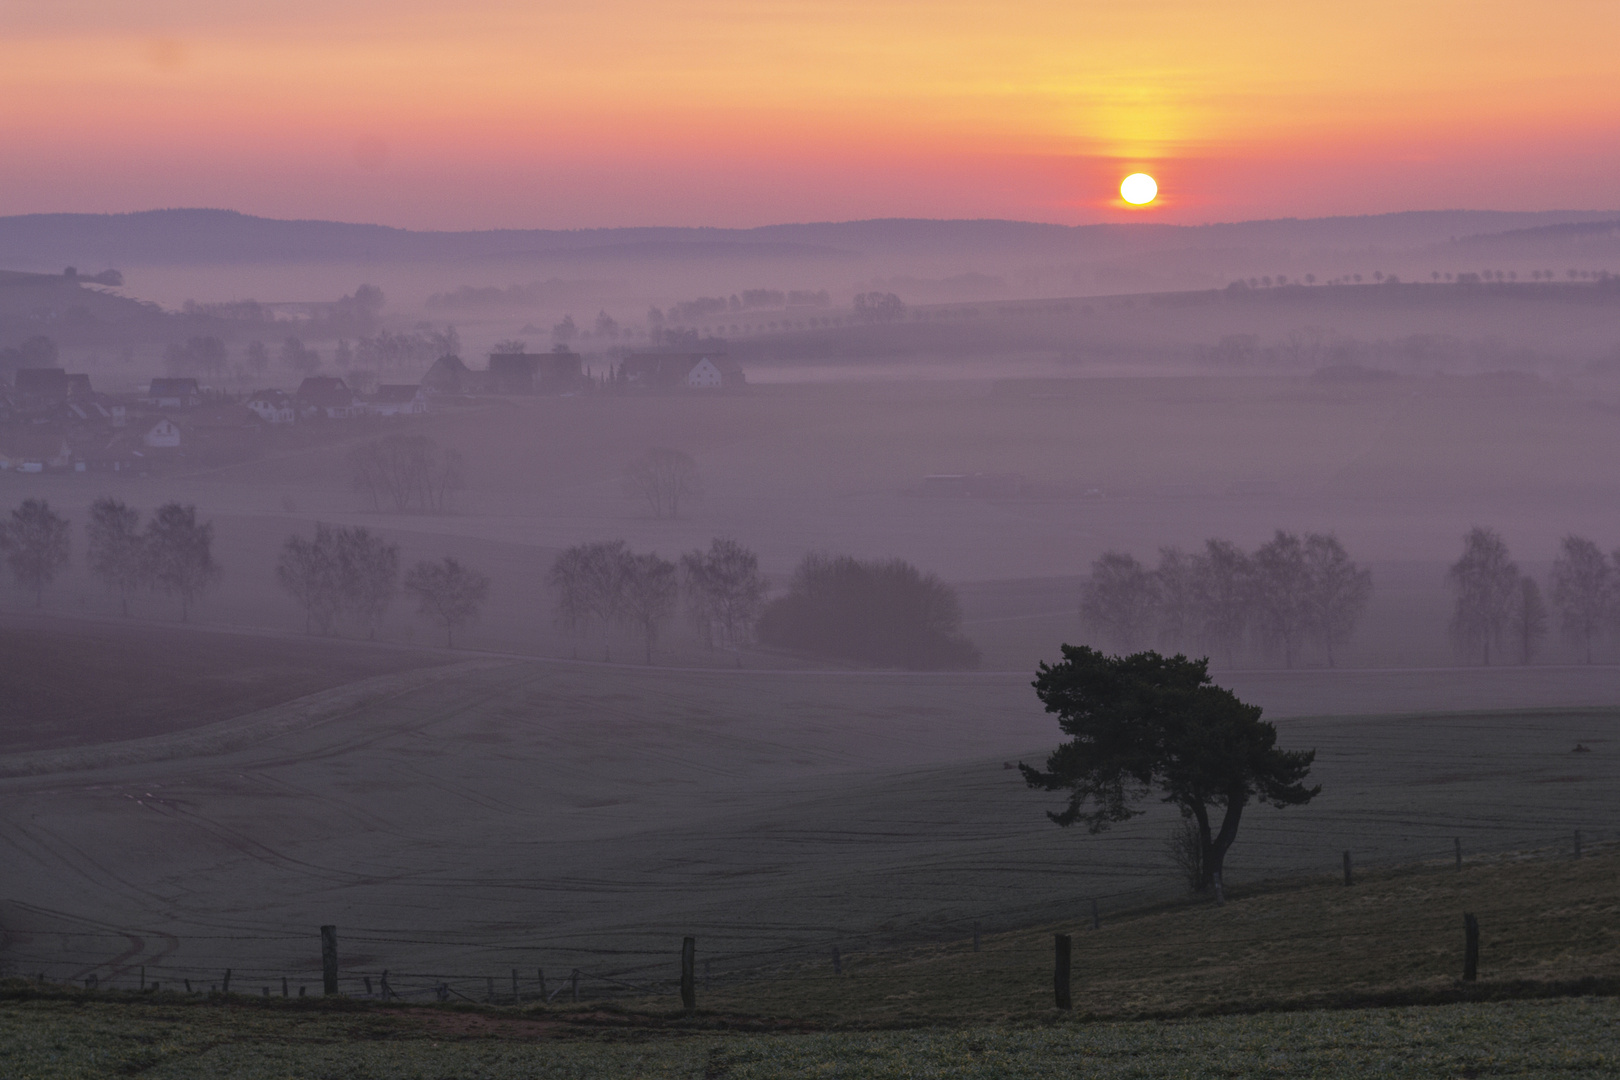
x=1139, y=189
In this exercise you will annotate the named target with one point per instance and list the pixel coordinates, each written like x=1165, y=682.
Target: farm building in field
x=174, y=394
x=163, y=435
x=43, y=389
x=329, y=397
x=671, y=371
x=534, y=373
x=448, y=375
x=273, y=406
x=35, y=448
x=397, y=399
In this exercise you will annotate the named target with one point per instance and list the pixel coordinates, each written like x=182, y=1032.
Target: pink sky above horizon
x=719, y=112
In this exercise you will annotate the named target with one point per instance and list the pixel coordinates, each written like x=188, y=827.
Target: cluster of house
x=51, y=419
x=54, y=420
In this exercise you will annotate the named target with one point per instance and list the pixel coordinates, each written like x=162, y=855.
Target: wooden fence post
x=1348, y=880
x=1060, y=973
x=368, y=984
x=1470, y=948
x=283, y=986
x=688, y=974
x=329, y=958
x=225, y=983
x=1456, y=842
x=384, y=985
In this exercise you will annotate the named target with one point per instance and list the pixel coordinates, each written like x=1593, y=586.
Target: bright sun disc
x=1139, y=189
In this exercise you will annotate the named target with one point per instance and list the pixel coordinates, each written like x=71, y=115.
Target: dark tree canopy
x=879, y=612
x=1147, y=723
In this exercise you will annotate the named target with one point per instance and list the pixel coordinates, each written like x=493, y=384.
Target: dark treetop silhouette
x=1146, y=722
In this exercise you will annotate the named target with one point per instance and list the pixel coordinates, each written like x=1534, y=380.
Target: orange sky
x=492, y=112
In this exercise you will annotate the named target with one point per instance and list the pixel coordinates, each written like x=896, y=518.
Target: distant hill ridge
x=185, y=236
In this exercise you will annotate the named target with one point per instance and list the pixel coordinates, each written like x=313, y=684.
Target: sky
x=498, y=113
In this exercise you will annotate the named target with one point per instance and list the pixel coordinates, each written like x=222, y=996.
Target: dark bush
x=884, y=612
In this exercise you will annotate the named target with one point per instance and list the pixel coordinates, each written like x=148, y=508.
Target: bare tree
x=340, y=570
x=180, y=555
x=116, y=552
x=1283, y=601
x=1119, y=600
x=1339, y=591
x=725, y=592
x=1177, y=579
x=1226, y=591
x=308, y=571
x=447, y=592
x=589, y=581
x=368, y=570
x=651, y=589
x=406, y=472
x=664, y=479
x=1582, y=591
x=1528, y=621
x=35, y=541
x=1485, y=580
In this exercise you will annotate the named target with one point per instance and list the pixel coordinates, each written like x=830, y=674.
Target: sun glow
x=1139, y=189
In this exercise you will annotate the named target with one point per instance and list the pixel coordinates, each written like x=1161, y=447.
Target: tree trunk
x=1215, y=861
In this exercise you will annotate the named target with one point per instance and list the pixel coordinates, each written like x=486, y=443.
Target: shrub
x=884, y=612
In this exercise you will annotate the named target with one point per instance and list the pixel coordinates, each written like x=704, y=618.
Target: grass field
x=549, y=815
x=75, y=682
x=56, y=1039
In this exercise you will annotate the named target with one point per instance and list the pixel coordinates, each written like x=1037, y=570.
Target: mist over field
x=523, y=601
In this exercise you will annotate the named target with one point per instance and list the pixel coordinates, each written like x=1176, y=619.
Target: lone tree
x=180, y=555
x=448, y=593
x=724, y=592
x=117, y=554
x=663, y=479
x=1147, y=723
x=1485, y=580
x=35, y=541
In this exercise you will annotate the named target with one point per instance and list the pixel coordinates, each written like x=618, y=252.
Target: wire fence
x=528, y=967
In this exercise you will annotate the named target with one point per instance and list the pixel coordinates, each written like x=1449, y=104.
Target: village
x=54, y=420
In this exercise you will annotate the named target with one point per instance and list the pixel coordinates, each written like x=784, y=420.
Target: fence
x=90, y=958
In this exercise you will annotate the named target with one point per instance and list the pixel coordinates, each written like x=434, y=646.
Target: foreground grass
x=1548, y=925
x=60, y=1039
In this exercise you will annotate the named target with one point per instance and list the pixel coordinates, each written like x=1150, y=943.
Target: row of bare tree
x=172, y=556
x=1499, y=608
x=603, y=585
x=1289, y=593
x=354, y=573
